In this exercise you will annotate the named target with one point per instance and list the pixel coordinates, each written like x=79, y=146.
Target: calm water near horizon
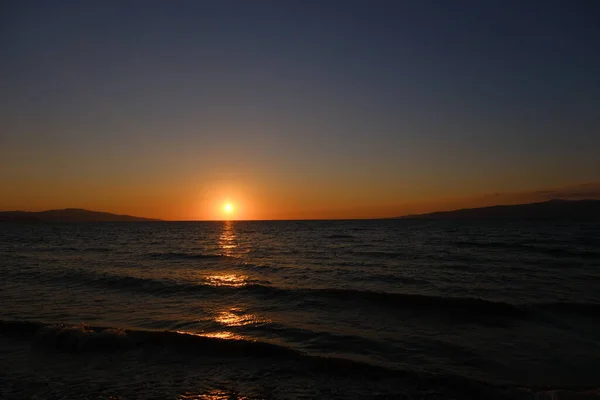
x=346, y=308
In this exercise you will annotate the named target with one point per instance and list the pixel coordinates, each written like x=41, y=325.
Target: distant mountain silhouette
x=552, y=209
x=67, y=215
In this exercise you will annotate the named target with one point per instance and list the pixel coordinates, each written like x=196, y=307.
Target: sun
x=228, y=208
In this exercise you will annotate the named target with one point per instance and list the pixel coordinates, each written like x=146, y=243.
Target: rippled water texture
x=515, y=304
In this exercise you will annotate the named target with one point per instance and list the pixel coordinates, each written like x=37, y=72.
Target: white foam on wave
x=81, y=338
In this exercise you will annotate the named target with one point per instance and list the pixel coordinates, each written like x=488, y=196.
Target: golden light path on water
x=215, y=394
x=222, y=335
x=237, y=317
x=232, y=280
x=233, y=316
x=228, y=239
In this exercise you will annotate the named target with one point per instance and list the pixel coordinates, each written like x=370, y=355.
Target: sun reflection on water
x=237, y=317
x=233, y=280
x=231, y=318
x=218, y=335
x=228, y=239
x=215, y=394
x=223, y=335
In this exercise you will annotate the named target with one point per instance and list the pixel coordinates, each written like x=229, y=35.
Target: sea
x=365, y=309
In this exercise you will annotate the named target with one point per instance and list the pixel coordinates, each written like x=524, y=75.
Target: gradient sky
x=300, y=109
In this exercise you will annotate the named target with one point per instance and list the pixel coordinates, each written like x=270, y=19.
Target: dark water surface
x=298, y=309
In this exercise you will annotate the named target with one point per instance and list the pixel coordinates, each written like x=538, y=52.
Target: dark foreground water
x=305, y=309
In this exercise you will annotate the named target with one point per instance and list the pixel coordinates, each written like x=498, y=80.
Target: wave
x=554, y=251
x=583, y=309
x=441, y=305
x=392, y=278
x=390, y=301
x=184, y=256
x=323, y=341
x=134, y=283
x=149, y=285
x=340, y=236
x=379, y=300
x=424, y=302
x=264, y=267
x=90, y=249
x=170, y=287
x=59, y=249
x=81, y=339
x=379, y=254
x=568, y=252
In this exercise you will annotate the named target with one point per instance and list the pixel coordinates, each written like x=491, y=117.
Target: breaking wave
x=90, y=341
x=81, y=338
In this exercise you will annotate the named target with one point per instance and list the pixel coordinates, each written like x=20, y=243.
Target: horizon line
x=404, y=216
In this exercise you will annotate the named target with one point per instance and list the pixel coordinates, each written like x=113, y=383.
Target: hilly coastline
x=552, y=209
x=68, y=215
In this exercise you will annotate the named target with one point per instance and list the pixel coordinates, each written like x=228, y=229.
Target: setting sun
x=228, y=208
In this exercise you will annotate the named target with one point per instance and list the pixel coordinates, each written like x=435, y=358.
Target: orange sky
x=300, y=110
x=206, y=202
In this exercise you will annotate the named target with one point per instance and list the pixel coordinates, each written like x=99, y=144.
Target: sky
x=299, y=109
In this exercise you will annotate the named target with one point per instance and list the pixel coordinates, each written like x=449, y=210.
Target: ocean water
x=299, y=309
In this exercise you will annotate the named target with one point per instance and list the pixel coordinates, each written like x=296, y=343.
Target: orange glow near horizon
x=256, y=199
x=257, y=115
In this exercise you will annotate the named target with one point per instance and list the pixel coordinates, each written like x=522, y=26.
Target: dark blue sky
x=290, y=106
